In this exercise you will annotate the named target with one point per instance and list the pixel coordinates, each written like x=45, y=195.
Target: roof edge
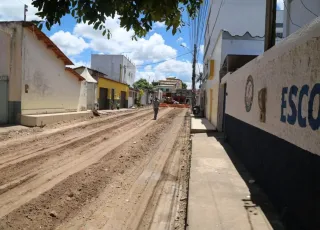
x=48, y=42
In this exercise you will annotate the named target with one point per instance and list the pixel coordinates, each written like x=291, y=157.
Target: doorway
x=103, y=98
x=112, y=95
x=123, y=99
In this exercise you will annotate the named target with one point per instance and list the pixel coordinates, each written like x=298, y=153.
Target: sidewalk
x=219, y=197
x=201, y=125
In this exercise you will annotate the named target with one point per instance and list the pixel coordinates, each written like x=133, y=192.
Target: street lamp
x=185, y=47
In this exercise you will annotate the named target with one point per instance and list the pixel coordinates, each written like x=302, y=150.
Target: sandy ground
x=125, y=171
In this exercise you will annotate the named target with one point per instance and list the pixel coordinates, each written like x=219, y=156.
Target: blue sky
x=79, y=41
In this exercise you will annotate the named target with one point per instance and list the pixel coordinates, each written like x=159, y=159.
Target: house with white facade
x=34, y=79
x=227, y=36
x=92, y=89
x=299, y=13
x=169, y=86
x=272, y=118
x=117, y=67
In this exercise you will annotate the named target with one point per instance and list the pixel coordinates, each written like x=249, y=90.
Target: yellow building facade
x=112, y=92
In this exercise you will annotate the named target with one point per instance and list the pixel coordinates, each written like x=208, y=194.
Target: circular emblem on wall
x=248, y=97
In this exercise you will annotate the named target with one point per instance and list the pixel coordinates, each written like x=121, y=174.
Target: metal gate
x=3, y=99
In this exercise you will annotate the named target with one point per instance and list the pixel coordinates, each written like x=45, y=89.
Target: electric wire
x=285, y=5
x=304, y=5
x=163, y=60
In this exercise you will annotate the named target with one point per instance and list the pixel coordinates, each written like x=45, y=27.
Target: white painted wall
x=91, y=95
x=144, y=98
x=214, y=84
x=51, y=88
x=14, y=30
x=299, y=14
x=241, y=46
x=294, y=61
x=117, y=67
x=107, y=64
x=129, y=72
x=130, y=102
x=236, y=16
x=83, y=99
x=171, y=88
x=227, y=45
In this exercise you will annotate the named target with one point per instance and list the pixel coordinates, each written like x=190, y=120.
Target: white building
x=272, y=120
x=235, y=17
x=91, y=86
x=298, y=13
x=231, y=31
x=117, y=67
x=34, y=78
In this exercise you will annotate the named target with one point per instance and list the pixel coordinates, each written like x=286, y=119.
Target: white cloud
x=80, y=63
x=12, y=10
x=159, y=25
x=151, y=49
x=68, y=43
x=174, y=68
x=148, y=68
x=201, y=49
x=180, y=39
x=280, y=4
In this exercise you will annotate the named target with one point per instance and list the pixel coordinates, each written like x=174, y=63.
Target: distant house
x=133, y=94
x=92, y=87
x=33, y=76
x=109, y=91
x=118, y=67
x=169, y=86
x=183, y=96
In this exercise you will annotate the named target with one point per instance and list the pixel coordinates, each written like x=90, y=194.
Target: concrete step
x=201, y=125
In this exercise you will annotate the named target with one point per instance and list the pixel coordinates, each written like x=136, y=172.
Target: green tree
x=134, y=14
x=184, y=85
x=155, y=83
x=142, y=84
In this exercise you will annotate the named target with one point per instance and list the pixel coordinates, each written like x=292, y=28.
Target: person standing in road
x=156, y=104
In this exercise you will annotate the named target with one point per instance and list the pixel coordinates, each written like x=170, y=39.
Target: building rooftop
x=96, y=71
x=43, y=38
x=75, y=73
x=84, y=67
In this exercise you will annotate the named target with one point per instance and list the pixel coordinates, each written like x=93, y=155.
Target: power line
x=22, y=2
x=285, y=5
x=308, y=8
x=214, y=25
x=162, y=60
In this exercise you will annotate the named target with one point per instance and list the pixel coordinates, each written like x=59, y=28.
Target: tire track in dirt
x=122, y=204
x=20, y=167
x=15, y=151
x=167, y=208
x=51, y=183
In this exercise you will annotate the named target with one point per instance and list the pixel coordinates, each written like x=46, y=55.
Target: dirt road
x=126, y=171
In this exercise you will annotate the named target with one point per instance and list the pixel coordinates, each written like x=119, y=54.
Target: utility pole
x=25, y=12
x=270, y=27
x=194, y=75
